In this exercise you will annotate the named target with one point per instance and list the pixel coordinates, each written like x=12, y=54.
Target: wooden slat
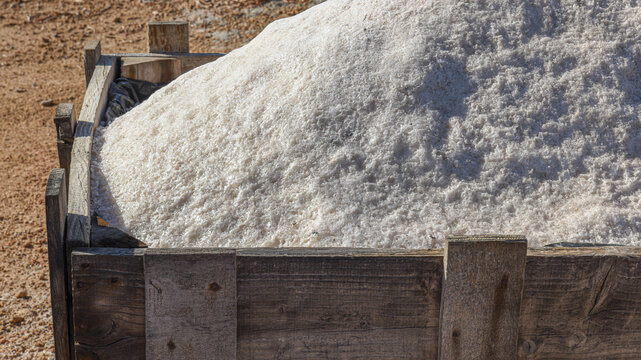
x=65, y=120
x=582, y=304
x=481, y=297
x=109, y=304
x=92, y=55
x=190, y=313
x=159, y=70
x=168, y=36
x=78, y=219
x=338, y=307
x=187, y=61
x=572, y=307
x=56, y=208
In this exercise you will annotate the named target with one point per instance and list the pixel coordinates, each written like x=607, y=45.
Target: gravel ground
x=40, y=66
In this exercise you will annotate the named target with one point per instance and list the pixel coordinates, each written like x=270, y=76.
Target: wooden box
x=486, y=297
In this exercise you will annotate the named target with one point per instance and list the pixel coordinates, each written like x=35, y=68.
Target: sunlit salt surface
x=392, y=124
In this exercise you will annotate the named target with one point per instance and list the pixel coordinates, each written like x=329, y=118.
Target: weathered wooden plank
x=56, y=209
x=92, y=55
x=168, y=36
x=187, y=61
x=338, y=307
x=582, y=304
x=191, y=313
x=159, y=70
x=65, y=120
x=109, y=304
x=280, y=311
x=78, y=219
x=482, y=290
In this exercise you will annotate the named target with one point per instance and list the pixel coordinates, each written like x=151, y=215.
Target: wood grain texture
x=338, y=307
x=78, y=219
x=578, y=303
x=56, y=210
x=481, y=297
x=168, y=36
x=187, y=61
x=109, y=304
x=191, y=313
x=91, y=57
x=582, y=304
x=65, y=120
x=159, y=70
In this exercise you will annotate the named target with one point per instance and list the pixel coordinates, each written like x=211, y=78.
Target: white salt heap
x=392, y=123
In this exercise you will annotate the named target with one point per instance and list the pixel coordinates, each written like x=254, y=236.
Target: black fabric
x=124, y=95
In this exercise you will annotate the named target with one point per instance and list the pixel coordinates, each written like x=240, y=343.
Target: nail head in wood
x=168, y=37
x=480, y=303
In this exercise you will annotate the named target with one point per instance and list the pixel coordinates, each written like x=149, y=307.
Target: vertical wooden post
x=481, y=298
x=56, y=209
x=65, y=120
x=190, y=304
x=92, y=54
x=168, y=37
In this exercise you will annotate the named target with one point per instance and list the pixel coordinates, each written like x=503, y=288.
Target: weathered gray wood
x=190, y=304
x=65, y=120
x=168, y=36
x=482, y=290
x=78, y=219
x=581, y=304
x=56, y=209
x=92, y=55
x=187, y=61
x=109, y=304
x=153, y=69
x=575, y=304
x=338, y=306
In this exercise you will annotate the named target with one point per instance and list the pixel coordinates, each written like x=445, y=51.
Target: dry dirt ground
x=41, y=59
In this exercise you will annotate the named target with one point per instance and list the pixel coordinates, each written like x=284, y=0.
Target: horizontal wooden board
x=109, y=304
x=578, y=303
x=153, y=69
x=187, y=61
x=581, y=305
x=338, y=307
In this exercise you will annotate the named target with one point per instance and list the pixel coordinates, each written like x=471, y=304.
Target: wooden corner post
x=92, y=55
x=168, y=37
x=65, y=120
x=481, y=298
x=56, y=208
